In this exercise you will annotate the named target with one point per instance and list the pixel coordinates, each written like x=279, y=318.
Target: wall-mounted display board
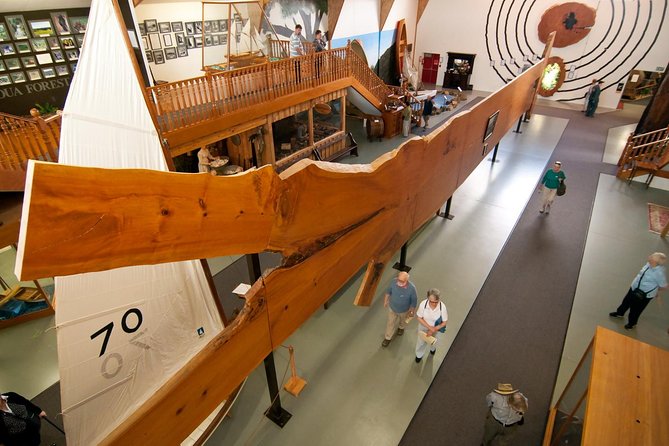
x=39, y=51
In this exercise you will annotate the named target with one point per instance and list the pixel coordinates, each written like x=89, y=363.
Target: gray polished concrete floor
x=360, y=393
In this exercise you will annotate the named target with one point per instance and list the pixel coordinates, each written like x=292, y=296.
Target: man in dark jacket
x=20, y=421
x=427, y=111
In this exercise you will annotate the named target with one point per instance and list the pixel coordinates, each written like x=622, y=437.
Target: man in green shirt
x=550, y=183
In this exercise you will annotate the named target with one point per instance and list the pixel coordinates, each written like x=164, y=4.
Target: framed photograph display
x=29, y=61
x=164, y=27
x=170, y=53
x=198, y=41
x=490, y=127
x=182, y=51
x=155, y=41
x=198, y=27
x=48, y=72
x=62, y=70
x=5, y=79
x=4, y=34
x=53, y=42
x=207, y=26
x=208, y=40
x=180, y=38
x=17, y=27
x=13, y=63
x=224, y=39
x=41, y=28
x=78, y=24
x=61, y=23
x=158, y=56
x=72, y=55
x=2, y=66
x=151, y=25
x=80, y=39
x=190, y=42
x=215, y=40
x=18, y=77
x=23, y=47
x=68, y=43
x=142, y=29
x=7, y=49
x=177, y=27
x=44, y=58
x=190, y=28
x=34, y=75
x=167, y=39
x=214, y=26
x=58, y=56
x=39, y=44
x=149, y=56
x=223, y=25
x=145, y=43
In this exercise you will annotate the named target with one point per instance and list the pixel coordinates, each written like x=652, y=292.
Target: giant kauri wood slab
x=327, y=220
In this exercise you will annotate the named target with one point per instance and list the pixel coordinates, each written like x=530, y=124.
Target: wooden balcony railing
x=646, y=147
x=22, y=139
x=179, y=105
x=280, y=49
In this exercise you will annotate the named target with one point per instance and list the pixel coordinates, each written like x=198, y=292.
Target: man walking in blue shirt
x=400, y=299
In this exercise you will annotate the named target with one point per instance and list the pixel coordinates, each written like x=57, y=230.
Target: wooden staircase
x=22, y=139
x=645, y=154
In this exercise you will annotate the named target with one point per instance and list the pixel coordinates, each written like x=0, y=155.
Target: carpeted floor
x=515, y=330
x=49, y=401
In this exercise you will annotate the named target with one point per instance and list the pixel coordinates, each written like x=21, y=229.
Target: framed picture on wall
x=151, y=25
x=72, y=55
x=142, y=29
x=29, y=61
x=68, y=43
x=170, y=53
x=41, y=28
x=62, y=70
x=164, y=27
x=158, y=57
x=155, y=41
x=224, y=39
x=208, y=40
x=177, y=26
x=17, y=27
x=18, y=77
x=215, y=40
x=61, y=23
x=44, y=58
x=48, y=72
x=53, y=42
x=490, y=126
x=198, y=41
x=190, y=28
x=182, y=51
x=4, y=34
x=34, y=75
x=149, y=56
x=5, y=79
x=80, y=39
x=2, y=66
x=214, y=26
x=39, y=44
x=223, y=25
x=7, y=49
x=167, y=39
x=207, y=26
x=198, y=27
x=145, y=43
x=58, y=56
x=180, y=38
x=190, y=42
x=78, y=24
x=23, y=47
x=13, y=63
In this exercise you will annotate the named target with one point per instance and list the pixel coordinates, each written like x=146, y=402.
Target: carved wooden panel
x=571, y=21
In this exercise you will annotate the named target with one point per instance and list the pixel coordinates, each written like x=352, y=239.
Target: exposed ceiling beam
x=422, y=4
x=334, y=9
x=386, y=6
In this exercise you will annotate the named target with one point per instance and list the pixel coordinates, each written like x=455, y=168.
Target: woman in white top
x=432, y=317
x=204, y=159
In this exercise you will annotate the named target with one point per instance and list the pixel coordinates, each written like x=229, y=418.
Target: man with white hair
x=400, y=299
x=645, y=286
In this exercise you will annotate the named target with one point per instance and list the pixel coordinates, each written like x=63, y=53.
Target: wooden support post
x=447, y=212
x=494, y=155
x=402, y=264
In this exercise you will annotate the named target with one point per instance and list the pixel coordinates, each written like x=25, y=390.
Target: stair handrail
x=367, y=77
x=23, y=138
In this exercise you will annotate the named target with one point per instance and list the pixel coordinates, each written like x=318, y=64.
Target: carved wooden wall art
x=570, y=21
x=554, y=75
x=327, y=220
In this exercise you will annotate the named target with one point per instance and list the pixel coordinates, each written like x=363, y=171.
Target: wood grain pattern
x=556, y=18
x=116, y=218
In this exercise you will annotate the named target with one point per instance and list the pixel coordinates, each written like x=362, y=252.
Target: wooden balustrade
x=646, y=147
x=22, y=139
x=369, y=79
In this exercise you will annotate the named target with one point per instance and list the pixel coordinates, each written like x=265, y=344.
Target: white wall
x=362, y=17
x=444, y=28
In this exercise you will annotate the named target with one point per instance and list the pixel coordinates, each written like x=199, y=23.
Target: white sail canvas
x=121, y=333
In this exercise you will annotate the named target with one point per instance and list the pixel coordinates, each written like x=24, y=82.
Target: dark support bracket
x=276, y=413
x=520, y=121
x=402, y=264
x=494, y=154
x=447, y=212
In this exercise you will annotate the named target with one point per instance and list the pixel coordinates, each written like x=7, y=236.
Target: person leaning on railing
x=297, y=49
x=319, y=46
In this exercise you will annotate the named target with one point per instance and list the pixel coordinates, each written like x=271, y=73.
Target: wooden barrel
x=374, y=128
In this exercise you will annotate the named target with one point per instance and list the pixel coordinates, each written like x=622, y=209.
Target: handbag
x=439, y=321
x=561, y=189
x=638, y=293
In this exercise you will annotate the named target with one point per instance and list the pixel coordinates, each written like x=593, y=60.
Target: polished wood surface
x=650, y=147
x=327, y=220
x=627, y=395
x=571, y=22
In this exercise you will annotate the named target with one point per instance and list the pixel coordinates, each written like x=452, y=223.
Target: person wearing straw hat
x=432, y=318
x=507, y=407
x=20, y=421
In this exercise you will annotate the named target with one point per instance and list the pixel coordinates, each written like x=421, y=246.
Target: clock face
x=553, y=77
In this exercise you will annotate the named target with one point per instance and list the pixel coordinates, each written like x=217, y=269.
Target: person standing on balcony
x=297, y=49
x=319, y=46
